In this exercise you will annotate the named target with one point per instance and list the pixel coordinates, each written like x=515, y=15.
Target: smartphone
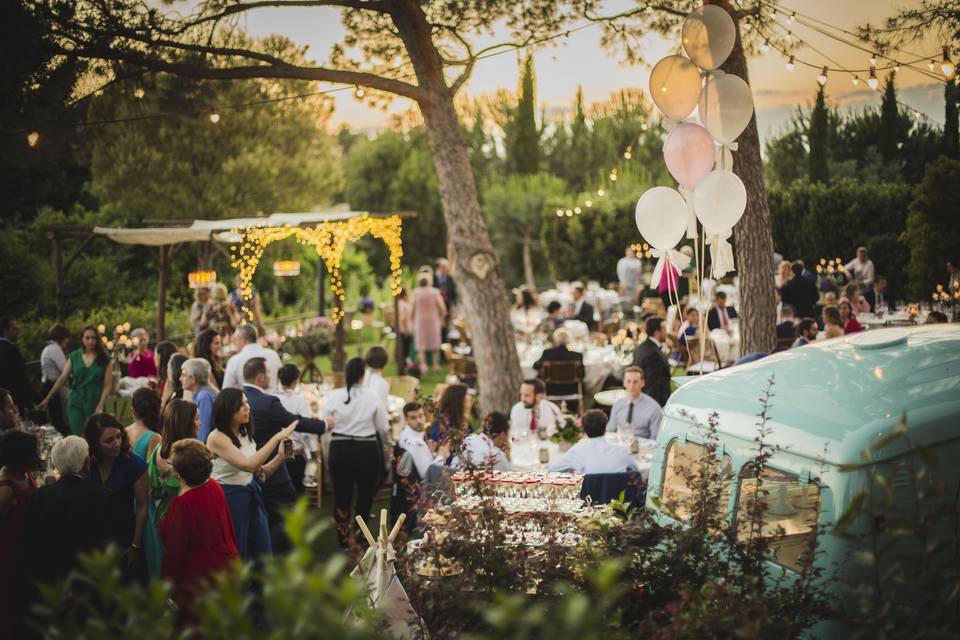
x=288, y=448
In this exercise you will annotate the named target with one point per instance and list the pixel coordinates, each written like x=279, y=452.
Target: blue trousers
x=249, y=519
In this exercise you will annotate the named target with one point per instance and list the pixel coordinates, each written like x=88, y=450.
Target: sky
x=580, y=60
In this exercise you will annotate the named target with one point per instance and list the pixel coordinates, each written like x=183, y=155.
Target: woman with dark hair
x=9, y=416
x=180, y=421
x=356, y=455
x=144, y=433
x=19, y=458
x=832, y=323
x=452, y=417
x=88, y=370
x=114, y=466
x=489, y=449
x=174, y=385
x=162, y=354
x=209, y=346
x=198, y=534
x=53, y=359
x=376, y=361
x=237, y=460
x=849, y=319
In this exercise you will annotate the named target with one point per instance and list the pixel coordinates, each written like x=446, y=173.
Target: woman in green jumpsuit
x=88, y=370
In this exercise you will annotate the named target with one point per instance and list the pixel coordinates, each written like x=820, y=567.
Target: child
x=197, y=532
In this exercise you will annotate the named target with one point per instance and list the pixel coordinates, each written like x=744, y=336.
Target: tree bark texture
x=476, y=268
x=528, y=273
x=753, y=235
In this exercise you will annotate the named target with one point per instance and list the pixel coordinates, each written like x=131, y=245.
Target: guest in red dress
x=142, y=364
x=197, y=532
x=19, y=458
x=849, y=318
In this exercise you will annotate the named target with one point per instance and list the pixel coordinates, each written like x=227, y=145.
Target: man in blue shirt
x=638, y=411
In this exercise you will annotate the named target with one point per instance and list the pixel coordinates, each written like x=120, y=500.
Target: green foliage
x=818, y=135
x=951, y=126
x=813, y=221
x=891, y=127
x=521, y=134
x=932, y=233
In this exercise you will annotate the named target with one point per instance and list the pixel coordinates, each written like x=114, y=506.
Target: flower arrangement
x=947, y=299
x=832, y=271
x=568, y=432
x=309, y=340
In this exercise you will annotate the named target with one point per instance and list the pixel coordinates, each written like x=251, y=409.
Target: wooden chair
x=406, y=387
x=784, y=344
x=697, y=364
x=387, y=312
x=564, y=372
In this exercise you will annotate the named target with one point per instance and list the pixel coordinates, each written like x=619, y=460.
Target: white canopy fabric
x=203, y=230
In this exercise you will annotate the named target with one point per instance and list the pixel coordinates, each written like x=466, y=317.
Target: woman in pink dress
x=428, y=313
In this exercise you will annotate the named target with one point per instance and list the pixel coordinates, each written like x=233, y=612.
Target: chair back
x=406, y=387
x=654, y=306
x=561, y=372
x=602, y=488
x=784, y=344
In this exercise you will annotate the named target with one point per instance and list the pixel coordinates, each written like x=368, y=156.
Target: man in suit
x=877, y=294
x=720, y=315
x=650, y=358
x=582, y=310
x=553, y=320
x=269, y=417
x=787, y=327
x=64, y=519
x=560, y=352
x=799, y=292
x=13, y=368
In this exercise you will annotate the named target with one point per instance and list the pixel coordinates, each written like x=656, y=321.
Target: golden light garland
x=329, y=239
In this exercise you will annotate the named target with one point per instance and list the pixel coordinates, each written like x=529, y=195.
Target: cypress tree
x=526, y=142
x=889, y=120
x=951, y=124
x=579, y=159
x=818, y=139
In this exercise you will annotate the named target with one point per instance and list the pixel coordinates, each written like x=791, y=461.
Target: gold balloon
x=675, y=86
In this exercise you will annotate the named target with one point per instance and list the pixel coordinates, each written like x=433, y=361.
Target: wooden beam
x=162, y=294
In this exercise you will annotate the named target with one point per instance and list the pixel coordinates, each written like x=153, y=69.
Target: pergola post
x=58, y=260
x=321, y=288
x=397, y=346
x=162, y=293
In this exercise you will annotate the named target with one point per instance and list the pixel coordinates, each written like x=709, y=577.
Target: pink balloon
x=690, y=154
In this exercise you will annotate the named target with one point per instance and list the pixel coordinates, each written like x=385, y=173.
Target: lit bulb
x=359, y=92
x=873, y=61
x=214, y=117
x=627, y=155
x=600, y=192
x=577, y=210
x=663, y=88
x=790, y=65
x=747, y=26
x=33, y=138
x=765, y=46
x=931, y=65
x=947, y=66
x=569, y=213
x=613, y=175
x=896, y=66
x=589, y=203
x=793, y=16
x=138, y=93
x=872, y=80
x=822, y=78
x=856, y=81
x=559, y=213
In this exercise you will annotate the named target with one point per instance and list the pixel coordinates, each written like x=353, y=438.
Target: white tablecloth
x=525, y=454
x=598, y=363
x=728, y=343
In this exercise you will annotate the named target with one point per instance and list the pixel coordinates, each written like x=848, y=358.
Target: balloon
x=708, y=36
x=690, y=154
x=675, y=86
x=661, y=217
x=719, y=200
x=726, y=106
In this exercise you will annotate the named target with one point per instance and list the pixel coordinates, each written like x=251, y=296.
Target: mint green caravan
x=832, y=400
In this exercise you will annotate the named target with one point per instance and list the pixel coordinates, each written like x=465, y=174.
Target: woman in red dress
x=197, y=532
x=849, y=318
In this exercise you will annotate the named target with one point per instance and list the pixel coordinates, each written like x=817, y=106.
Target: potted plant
x=568, y=433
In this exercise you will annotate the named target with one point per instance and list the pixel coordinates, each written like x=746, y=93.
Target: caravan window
x=790, y=512
x=682, y=478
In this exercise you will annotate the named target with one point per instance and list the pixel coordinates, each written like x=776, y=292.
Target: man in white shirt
x=637, y=411
x=534, y=410
x=491, y=448
x=376, y=361
x=412, y=441
x=630, y=274
x=245, y=338
x=296, y=403
x=861, y=268
x=595, y=454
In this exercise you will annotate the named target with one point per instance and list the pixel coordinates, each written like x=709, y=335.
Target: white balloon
x=719, y=201
x=675, y=86
x=708, y=35
x=661, y=217
x=726, y=106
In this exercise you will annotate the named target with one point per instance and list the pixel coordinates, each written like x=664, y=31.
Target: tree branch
x=379, y=6
x=463, y=77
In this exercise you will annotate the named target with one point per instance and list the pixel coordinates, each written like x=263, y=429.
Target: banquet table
x=598, y=362
x=525, y=453
x=874, y=321
x=727, y=342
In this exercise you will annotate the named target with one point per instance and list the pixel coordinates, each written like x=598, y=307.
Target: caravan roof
x=834, y=398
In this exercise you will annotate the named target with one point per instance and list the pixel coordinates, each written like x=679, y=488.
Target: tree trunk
x=753, y=235
x=528, y=265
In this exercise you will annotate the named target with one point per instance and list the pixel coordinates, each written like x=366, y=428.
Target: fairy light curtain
x=328, y=238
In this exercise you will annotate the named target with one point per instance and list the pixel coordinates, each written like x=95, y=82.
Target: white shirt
x=373, y=380
x=225, y=473
x=629, y=272
x=644, y=419
x=863, y=271
x=233, y=375
x=52, y=362
x=362, y=417
x=297, y=404
x=596, y=455
x=548, y=416
x=479, y=451
x=413, y=443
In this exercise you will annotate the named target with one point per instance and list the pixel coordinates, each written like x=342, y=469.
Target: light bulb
x=872, y=80
x=931, y=65
x=33, y=138
x=559, y=213
x=577, y=210
x=947, y=66
x=896, y=67
x=214, y=117
x=822, y=78
x=663, y=88
x=569, y=213
x=873, y=60
x=856, y=80
x=747, y=26
x=359, y=92
x=613, y=175
x=627, y=154
x=793, y=16
x=589, y=203
x=765, y=46
x=138, y=93
x=790, y=65
x=600, y=192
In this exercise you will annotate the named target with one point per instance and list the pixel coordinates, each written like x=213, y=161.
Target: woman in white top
x=356, y=456
x=52, y=361
x=237, y=460
x=489, y=449
x=376, y=361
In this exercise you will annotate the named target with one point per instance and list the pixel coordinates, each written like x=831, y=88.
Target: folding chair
x=567, y=373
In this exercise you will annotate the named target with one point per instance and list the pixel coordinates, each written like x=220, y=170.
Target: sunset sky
x=581, y=60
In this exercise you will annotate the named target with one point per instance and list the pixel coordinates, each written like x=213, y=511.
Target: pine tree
x=579, y=159
x=951, y=126
x=818, y=138
x=525, y=153
x=889, y=120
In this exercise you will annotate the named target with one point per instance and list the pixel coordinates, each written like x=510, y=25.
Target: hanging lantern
x=286, y=268
x=199, y=279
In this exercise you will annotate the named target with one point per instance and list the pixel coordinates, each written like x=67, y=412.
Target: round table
x=525, y=454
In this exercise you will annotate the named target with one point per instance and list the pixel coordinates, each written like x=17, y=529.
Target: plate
x=609, y=397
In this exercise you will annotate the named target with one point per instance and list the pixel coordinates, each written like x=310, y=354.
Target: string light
x=214, y=117
x=600, y=192
x=588, y=203
x=855, y=80
x=790, y=64
x=576, y=210
x=747, y=26
x=559, y=213
x=873, y=60
x=931, y=65
x=569, y=213
x=613, y=176
x=822, y=78
x=628, y=153
x=947, y=66
x=872, y=80
x=765, y=46
x=33, y=138
x=793, y=16
x=138, y=93
x=359, y=92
